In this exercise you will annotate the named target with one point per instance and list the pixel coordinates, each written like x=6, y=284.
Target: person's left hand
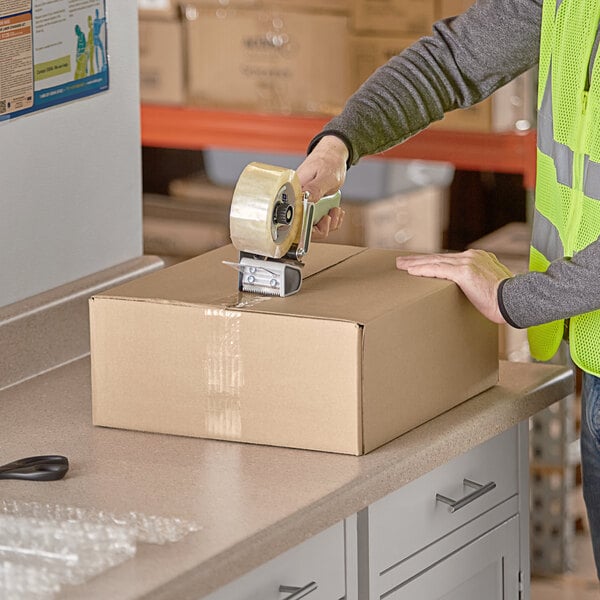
x=476, y=272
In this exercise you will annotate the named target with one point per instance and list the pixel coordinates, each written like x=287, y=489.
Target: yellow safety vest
x=567, y=207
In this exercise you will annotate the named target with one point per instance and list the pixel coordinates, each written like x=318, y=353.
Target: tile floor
x=579, y=584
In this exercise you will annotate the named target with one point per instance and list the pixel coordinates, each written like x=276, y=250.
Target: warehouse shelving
x=197, y=128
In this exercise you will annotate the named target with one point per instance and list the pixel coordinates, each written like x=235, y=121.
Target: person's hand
x=476, y=272
x=322, y=173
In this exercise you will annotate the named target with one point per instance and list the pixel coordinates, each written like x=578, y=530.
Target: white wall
x=70, y=178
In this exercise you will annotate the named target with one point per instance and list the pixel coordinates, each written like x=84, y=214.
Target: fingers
x=332, y=221
x=323, y=171
x=337, y=217
x=476, y=272
x=321, y=229
x=473, y=258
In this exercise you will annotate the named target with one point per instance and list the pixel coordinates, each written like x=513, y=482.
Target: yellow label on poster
x=58, y=66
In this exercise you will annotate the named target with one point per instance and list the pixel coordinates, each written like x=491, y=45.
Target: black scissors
x=36, y=468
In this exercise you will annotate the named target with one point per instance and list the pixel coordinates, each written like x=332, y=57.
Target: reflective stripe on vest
x=567, y=215
x=545, y=238
x=561, y=154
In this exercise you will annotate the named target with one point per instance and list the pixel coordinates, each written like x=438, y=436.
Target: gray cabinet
x=457, y=532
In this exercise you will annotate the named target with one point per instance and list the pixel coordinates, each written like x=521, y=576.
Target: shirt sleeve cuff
x=339, y=135
x=502, y=306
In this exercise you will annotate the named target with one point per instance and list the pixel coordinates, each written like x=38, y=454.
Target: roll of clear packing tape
x=263, y=192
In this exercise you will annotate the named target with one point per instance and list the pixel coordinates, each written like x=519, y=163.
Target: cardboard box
x=511, y=108
x=360, y=355
x=511, y=245
x=368, y=52
x=394, y=16
x=199, y=191
x=161, y=61
x=316, y=6
x=371, y=52
x=269, y=60
x=413, y=221
x=175, y=227
x=175, y=237
x=158, y=9
x=451, y=8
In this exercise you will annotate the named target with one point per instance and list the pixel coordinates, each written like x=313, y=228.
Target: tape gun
x=270, y=223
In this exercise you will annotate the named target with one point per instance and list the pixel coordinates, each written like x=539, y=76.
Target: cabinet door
x=486, y=569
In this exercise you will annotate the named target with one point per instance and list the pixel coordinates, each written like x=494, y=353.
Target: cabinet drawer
x=410, y=519
x=316, y=566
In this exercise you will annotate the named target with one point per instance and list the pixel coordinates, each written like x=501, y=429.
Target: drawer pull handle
x=478, y=491
x=297, y=592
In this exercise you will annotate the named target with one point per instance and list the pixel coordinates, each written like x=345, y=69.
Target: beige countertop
x=253, y=502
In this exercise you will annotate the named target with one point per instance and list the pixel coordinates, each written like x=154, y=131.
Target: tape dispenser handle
x=325, y=204
x=312, y=214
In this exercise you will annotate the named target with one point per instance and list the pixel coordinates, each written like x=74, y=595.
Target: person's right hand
x=322, y=173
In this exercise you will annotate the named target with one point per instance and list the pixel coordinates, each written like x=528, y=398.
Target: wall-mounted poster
x=51, y=52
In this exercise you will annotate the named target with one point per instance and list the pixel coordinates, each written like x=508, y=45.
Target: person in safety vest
x=464, y=60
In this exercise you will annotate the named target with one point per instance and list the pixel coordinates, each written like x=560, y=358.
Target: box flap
x=343, y=283
x=206, y=280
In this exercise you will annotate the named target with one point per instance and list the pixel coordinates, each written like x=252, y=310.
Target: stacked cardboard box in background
x=193, y=219
x=282, y=56
x=275, y=58
x=289, y=56
x=384, y=28
x=511, y=245
x=162, y=64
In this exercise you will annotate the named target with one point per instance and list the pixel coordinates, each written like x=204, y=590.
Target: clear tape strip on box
x=43, y=546
x=223, y=374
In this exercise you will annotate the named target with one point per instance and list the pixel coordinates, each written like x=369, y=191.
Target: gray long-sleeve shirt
x=464, y=60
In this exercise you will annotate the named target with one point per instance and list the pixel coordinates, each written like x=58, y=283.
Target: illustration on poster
x=90, y=51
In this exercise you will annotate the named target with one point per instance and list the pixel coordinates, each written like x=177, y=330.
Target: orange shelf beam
x=198, y=128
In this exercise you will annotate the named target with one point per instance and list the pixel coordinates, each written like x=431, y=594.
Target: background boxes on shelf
x=289, y=56
x=511, y=107
x=162, y=9
x=511, y=245
x=176, y=227
x=270, y=59
x=413, y=220
x=393, y=16
x=161, y=52
x=450, y=8
x=182, y=352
